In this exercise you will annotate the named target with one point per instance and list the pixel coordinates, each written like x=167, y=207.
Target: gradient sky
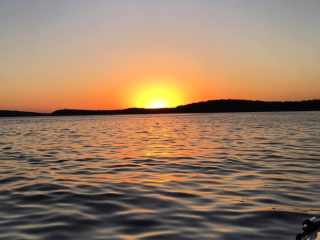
x=116, y=54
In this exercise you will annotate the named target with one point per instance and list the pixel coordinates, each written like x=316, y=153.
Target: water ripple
x=190, y=176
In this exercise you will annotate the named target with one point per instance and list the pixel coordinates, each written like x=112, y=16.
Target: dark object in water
x=308, y=227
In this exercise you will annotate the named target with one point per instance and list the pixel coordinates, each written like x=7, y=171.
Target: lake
x=217, y=176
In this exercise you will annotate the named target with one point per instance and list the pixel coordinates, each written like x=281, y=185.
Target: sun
x=158, y=104
x=157, y=93
x=157, y=98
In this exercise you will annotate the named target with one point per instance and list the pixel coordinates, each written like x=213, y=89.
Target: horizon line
x=164, y=108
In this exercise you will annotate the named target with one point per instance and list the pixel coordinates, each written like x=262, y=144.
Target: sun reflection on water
x=183, y=174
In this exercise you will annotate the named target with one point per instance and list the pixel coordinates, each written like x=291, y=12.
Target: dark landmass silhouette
x=211, y=106
x=9, y=113
x=249, y=106
x=114, y=112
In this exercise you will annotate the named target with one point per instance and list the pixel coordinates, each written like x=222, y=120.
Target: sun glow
x=157, y=104
x=157, y=94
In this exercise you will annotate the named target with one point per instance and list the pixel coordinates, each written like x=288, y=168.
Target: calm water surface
x=191, y=176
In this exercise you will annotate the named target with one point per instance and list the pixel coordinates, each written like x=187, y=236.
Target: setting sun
x=158, y=93
x=157, y=104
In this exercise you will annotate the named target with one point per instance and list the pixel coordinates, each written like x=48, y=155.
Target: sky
x=116, y=54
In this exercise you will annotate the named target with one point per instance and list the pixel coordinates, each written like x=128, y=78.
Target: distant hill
x=212, y=106
x=9, y=113
x=248, y=106
x=112, y=112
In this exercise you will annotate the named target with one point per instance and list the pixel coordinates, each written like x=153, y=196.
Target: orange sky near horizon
x=117, y=55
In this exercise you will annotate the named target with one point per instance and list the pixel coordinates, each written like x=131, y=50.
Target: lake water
x=191, y=176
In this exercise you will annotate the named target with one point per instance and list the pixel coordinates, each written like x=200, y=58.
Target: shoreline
x=211, y=106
